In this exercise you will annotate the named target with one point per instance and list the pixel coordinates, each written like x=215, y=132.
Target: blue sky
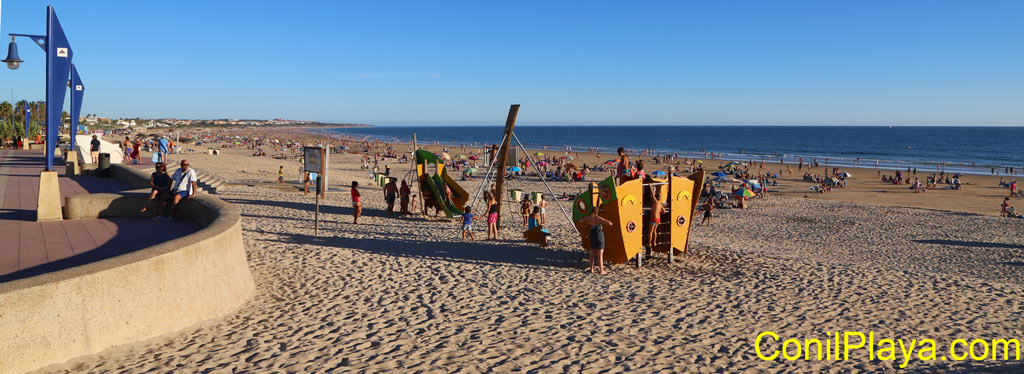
x=588, y=62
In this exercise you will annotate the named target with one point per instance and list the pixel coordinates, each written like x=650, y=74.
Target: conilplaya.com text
x=856, y=345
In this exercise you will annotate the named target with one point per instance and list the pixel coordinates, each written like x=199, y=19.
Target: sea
x=968, y=150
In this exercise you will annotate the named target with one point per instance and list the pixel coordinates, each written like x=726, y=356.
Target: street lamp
x=13, y=61
x=58, y=68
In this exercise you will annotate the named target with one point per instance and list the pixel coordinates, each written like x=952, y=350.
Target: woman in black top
x=161, y=185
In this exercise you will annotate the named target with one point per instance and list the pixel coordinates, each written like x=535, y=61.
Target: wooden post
x=499, y=185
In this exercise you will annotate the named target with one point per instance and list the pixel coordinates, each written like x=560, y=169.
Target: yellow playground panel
x=623, y=205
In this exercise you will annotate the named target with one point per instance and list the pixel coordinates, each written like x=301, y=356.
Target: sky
x=566, y=62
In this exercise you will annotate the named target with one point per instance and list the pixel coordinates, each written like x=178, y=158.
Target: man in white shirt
x=183, y=187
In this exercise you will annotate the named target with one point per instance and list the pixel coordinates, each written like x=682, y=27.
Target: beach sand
x=405, y=295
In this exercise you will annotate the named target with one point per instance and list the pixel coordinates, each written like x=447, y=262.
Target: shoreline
x=830, y=161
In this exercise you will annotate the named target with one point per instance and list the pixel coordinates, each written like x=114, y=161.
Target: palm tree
x=7, y=120
x=6, y=109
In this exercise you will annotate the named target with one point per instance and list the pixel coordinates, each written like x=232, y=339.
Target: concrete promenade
x=29, y=248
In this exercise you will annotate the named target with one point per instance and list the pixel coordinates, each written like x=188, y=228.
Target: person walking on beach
x=390, y=194
x=709, y=207
x=184, y=188
x=357, y=205
x=94, y=150
x=280, y=175
x=596, y=237
x=403, y=198
x=163, y=147
x=492, y=216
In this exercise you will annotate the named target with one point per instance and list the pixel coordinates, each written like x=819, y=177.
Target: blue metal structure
x=58, y=67
x=77, y=93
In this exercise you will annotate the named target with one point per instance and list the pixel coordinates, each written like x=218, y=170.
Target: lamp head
x=12, y=60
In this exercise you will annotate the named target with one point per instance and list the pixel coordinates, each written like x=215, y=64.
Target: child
x=467, y=223
x=357, y=205
x=280, y=175
x=524, y=210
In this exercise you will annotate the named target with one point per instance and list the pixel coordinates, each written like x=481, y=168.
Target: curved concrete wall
x=57, y=316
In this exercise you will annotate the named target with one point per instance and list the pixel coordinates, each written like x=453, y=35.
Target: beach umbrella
x=753, y=182
x=469, y=171
x=538, y=154
x=514, y=169
x=719, y=174
x=658, y=173
x=743, y=192
x=610, y=162
x=461, y=157
x=845, y=175
x=474, y=157
x=543, y=163
x=724, y=179
x=446, y=156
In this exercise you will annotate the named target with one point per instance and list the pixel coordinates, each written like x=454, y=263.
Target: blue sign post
x=77, y=93
x=28, y=118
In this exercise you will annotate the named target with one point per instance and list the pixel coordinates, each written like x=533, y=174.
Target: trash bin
x=103, y=166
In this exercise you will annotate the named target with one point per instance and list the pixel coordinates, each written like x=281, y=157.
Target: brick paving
x=30, y=248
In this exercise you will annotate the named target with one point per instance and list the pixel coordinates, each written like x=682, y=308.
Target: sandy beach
x=404, y=294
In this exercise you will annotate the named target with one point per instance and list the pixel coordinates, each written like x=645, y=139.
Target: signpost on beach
x=315, y=159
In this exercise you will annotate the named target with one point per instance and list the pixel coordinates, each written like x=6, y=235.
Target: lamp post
x=58, y=66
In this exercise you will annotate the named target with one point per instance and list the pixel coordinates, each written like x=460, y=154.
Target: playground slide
x=459, y=195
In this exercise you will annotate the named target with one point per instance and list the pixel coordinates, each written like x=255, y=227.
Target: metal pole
x=316, y=214
x=571, y=223
x=487, y=176
x=671, y=251
x=415, y=168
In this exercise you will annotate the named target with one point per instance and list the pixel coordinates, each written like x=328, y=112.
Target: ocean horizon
x=955, y=149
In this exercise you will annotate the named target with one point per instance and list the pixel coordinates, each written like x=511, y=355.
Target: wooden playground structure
x=628, y=206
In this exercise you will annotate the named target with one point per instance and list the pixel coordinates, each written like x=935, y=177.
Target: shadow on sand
x=974, y=244
x=479, y=253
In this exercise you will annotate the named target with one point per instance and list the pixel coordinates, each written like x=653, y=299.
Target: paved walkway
x=29, y=248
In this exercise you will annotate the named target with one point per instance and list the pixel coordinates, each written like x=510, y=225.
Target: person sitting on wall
x=184, y=187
